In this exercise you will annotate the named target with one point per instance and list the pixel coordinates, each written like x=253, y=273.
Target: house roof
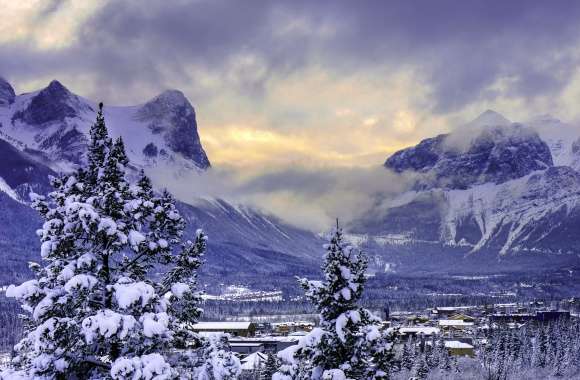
x=246, y=344
x=454, y=322
x=222, y=326
x=419, y=330
x=461, y=316
x=253, y=361
x=454, y=344
x=457, y=344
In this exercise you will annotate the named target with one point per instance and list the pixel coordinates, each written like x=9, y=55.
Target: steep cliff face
x=172, y=116
x=7, y=94
x=56, y=122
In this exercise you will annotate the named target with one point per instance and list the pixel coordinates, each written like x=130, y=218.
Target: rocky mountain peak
x=7, y=93
x=171, y=115
x=56, y=122
x=495, y=155
x=54, y=103
x=57, y=89
x=489, y=118
x=169, y=101
x=172, y=97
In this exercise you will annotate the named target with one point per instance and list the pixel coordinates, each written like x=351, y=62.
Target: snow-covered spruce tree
x=421, y=368
x=408, y=354
x=271, y=367
x=218, y=363
x=349, y=343
x=95, y=310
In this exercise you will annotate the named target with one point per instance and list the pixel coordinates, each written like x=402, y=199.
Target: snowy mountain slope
x=56, y=122
x=18, y=241
x=562, y=138
x=5, y=188
x=506, y=192
x=22, y=171
x=530, y=213
x=244, y=241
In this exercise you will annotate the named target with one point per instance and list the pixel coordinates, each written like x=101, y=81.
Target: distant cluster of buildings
x=252, y=342
x=460, y=327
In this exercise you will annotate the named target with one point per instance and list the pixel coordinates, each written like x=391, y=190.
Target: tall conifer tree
x=96, y=311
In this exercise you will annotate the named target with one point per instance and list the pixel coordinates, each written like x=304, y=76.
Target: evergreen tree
x=272, y=366
x=348, y=342
x=421, y=368
x=408, y=355
x=95, y=310
x=445, y=361
x=218, y=361
x=437, y=347
x=540, y=348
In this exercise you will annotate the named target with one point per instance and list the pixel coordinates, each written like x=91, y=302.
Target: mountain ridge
x=524, y=207
x=481, y=200
x=56, y=121
x=35, y=145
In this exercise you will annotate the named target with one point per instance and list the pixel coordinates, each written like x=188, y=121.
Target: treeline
x=535, y=351
x=550, y=349
x=11, y=328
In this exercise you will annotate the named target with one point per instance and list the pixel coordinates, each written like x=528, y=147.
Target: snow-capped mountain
x=496, y=153
x=55, y=123
x=46, y=132
x=490, y=188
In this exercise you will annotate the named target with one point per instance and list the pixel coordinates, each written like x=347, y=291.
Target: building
x=506, y=318
x=425, y=331
x=271, y=344
x=457, y=324
x=461, y=317
x=285, y=328
x=457, y=348
x=455, y=328
x=552, y=315
x=254, y=362
x=246, y=348
x=446, y=311
x=245, y=329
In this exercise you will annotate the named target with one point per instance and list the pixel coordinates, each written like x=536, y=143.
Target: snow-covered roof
x=419, y=330
x=453, y=308
x=222, y=326
x=454, y=322
x=265, y=339
x=256, y=356
x=457, y=344
x=245, y=344
x=297, y=323
x=253, y=361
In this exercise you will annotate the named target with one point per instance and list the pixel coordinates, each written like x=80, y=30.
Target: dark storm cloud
x=459, y=48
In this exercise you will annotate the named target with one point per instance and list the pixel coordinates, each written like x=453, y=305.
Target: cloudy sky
x=279, y=84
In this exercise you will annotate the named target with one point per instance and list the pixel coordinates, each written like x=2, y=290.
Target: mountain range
x=491, y=195
x=492, y=192
x=45, y=132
